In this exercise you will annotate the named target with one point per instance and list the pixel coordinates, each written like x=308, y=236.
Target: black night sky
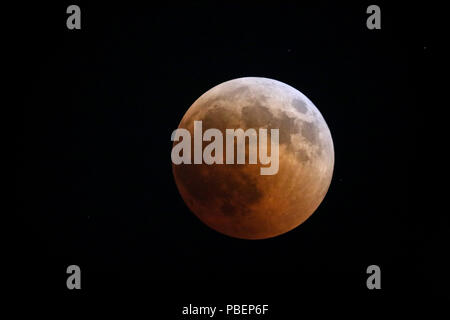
x=94, y=182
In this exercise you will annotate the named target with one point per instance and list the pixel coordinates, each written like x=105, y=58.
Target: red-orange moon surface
x=235, y=199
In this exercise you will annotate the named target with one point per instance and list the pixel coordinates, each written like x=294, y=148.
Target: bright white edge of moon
x=278, y=97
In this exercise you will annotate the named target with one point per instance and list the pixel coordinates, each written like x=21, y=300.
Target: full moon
x=235, y=199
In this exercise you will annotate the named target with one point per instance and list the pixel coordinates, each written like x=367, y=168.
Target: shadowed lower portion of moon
x=235, y=199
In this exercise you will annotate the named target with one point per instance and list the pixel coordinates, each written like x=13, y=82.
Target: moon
x=235, y=199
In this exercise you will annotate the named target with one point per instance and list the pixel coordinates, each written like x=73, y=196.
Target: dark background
x=94, y=181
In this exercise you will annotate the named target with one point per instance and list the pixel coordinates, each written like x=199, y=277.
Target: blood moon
x=235, y=199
